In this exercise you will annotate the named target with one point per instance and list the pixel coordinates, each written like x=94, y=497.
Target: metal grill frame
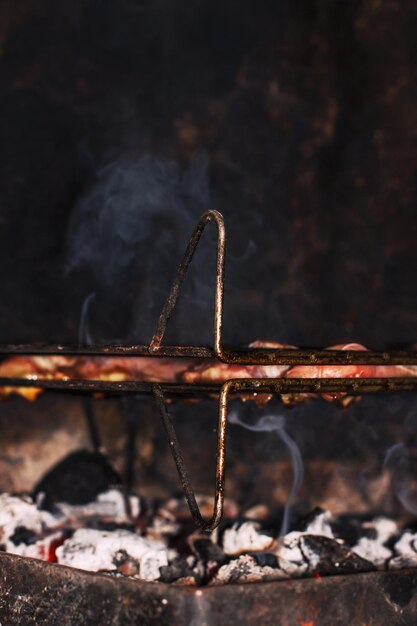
x=253, y=356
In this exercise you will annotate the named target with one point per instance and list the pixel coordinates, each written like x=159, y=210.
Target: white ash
x=42, y=549
x=163, y=524
x=291, y=557
x=406, y=544
x=109, y=504
x=291, y=552
x=96, y=550
x=374, y=549
x=21, y=512
x=246, y=537
x=100, y=536
x=245, y=569
x=320, y=525
x=405, y=551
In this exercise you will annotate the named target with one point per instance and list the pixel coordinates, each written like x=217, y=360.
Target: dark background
x=120, y=122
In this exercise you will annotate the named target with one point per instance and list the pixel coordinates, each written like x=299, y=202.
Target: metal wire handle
x=206, y=218
x=176, y=451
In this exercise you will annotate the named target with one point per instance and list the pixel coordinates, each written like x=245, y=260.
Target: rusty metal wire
x=258, y=356
x=281, y=386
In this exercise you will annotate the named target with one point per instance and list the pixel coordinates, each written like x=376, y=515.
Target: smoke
x=276, y=424
x=84, y=332
x=402, y=463
x=129, y=201
x=128, y=233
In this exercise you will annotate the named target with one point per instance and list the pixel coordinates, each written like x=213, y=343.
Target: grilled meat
x=186, y=370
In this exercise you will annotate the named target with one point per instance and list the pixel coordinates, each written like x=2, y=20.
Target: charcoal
x=351, y=530
x=265, y=559
x=95, y=537
x=182, y=568
x=303, y=522
x=77, y=479
x=97, y=550
x=318, y=522
x=228, y=524
x=376, y=543
x=245, y=569
x=206, y=550
x=244, y=536
x=23, y=535
x=238, y=570
x=406, y=545
x=326, y=556
x=291, y=559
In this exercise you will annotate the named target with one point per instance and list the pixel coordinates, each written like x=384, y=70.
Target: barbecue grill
x=153, y=604
x=253, y=356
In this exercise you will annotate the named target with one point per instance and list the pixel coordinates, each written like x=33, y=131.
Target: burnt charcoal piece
x=265, y=559
x=206, y=550
x=182, y=567
x=330, y=557
x=302, y=524
x=77, y=479
x=350, y=530
x=23, y=535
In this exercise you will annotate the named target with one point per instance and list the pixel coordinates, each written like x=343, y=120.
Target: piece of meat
x=214, y=371
x=351, y=371
x=112, y=369
x=34, y=367
x=346, y=371
x=148, y=369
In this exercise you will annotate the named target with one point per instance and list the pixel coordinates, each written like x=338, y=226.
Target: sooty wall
x=120, y=122
x=124, y=120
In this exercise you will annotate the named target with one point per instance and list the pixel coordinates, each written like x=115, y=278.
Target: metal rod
x=248, y=385
x=85, y=337
x=209, y=216
x=252, y=356
x=176, y=451
x=272, y=356
x=199, y=352
x=241, y=385
x=106, y=387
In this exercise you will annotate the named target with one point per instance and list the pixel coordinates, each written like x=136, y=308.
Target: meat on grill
x=187, y=370
x=347, y=371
